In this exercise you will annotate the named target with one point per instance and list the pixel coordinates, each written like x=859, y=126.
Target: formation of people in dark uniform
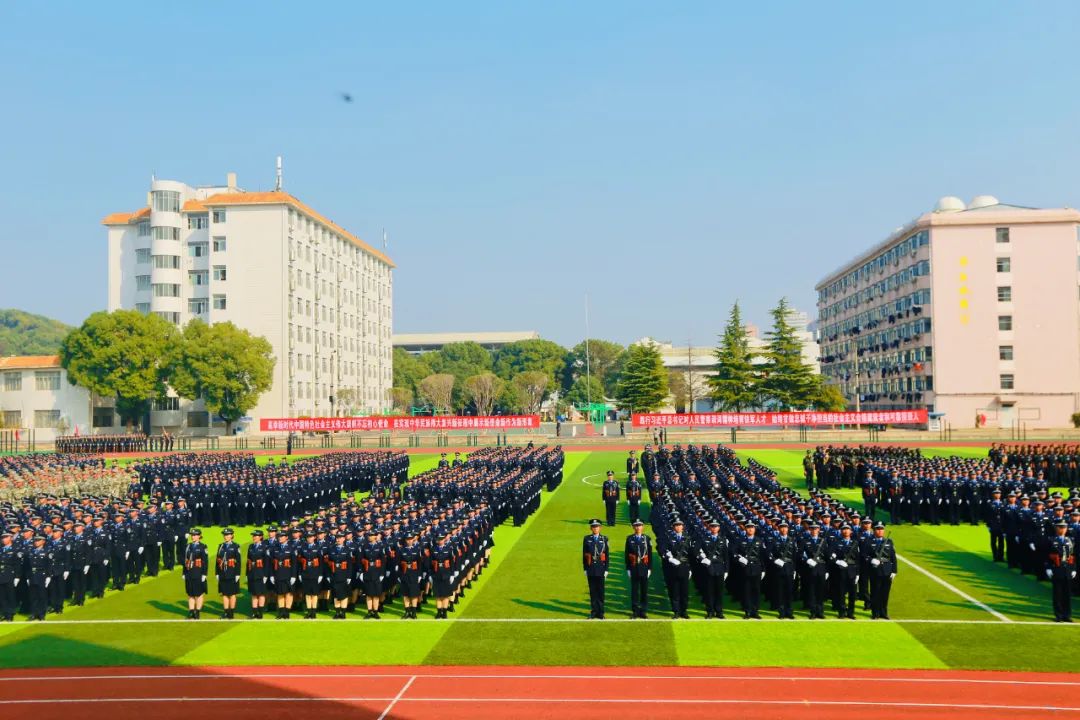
x=724, y=528
x=100, y=444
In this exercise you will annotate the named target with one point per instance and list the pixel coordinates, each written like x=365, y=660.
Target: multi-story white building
x=274, y=266
x=35, y=394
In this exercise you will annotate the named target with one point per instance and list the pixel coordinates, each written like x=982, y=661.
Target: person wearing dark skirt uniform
x=196, y=561
x=410, y=561
x=227, y=564
x=310, y=562
x=638, y=554
x=442, y=569
x=283, y=566
x=373, y=565
x=595, y=553
x=339, y=566
x=258, y=571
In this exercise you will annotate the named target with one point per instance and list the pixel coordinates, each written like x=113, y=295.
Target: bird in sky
x=347, y=97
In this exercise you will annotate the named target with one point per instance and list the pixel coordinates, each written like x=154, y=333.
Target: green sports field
x=960, y=611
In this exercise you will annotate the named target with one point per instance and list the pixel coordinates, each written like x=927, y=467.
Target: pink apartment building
x=971, y=311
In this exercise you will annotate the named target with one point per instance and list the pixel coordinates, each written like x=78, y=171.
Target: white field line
x=397, y=698
x=954, y=589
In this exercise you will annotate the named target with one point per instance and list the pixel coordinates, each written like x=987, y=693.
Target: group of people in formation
x=731, y=529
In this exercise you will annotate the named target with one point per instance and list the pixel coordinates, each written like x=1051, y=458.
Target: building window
x=219, y=302
x=198, y=419
x=1002, y=235
x=167, y=404
x=198, y=222
x=1004, y=322
x=220, y=273
x=166, y=200
x=47, y=380
x=1005, y=352
x=144, y=308
x=44, y=419
x=198, y=306
x=199, y=249
x=13, y=381
x=167, y=262
x=1004, y=293
x=166, y=289
x=103, y=417
x=161, y=232
x=12, y=418
x=219, y=216
x=142, y=256
x=1007, y=381
x=144, y=229
x=198, y=278
x=219, y=244
x=142, y=282
x=171, y=317
x=1004, y=264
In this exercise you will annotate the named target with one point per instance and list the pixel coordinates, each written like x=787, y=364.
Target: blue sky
x=665, y=159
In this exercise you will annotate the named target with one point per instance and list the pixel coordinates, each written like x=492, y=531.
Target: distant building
x=420, y=343
x=35, y=394
x=969, y=311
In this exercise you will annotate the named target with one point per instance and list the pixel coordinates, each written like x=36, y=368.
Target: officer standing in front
x=595, y=555
x=748, y=552
x=228, y=565
x=713, y=554
x=784, y=554
x=679, y=552
x=638, y=554
x=9, y=571
x=610, y=493
x=883, y=572
x=633, y=497
x=196, y=560
x=1061, y=570
x=258, y=572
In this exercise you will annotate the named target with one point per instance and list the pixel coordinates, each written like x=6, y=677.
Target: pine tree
x=643, y=385
x=788, y=381
x=734, y=386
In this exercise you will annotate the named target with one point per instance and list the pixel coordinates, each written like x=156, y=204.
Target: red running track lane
x=571, y=693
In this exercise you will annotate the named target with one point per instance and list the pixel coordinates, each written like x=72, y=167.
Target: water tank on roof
x=981, y=201
x=949, y=203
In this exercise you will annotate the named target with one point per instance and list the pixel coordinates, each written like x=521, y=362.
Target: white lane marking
x=953, y=588
x=564, y=701
x=586, y=480
x=397, y=698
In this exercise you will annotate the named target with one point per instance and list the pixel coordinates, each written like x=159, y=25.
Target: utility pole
x=689, y=375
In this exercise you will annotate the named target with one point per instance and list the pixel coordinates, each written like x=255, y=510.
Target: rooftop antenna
x=277, y=185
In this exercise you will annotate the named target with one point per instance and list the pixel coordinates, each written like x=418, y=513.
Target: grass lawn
x=535, y=582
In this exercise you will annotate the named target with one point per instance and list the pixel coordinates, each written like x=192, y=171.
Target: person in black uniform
x=442, y=568
x=679, y=552
x=258, y=572
x=995, y=522
x=713, y=554
x=196, y=561
x=749, y=553
x=844, y=556
x=38, y=578
x=58, y=550
x=311, y=574
x=339, y=566
x=120, y=552
x=882, y=573
x=100, y=546
x=870, y=494
x=155, y=534
x=283, y=567
x=808, y=470
x=638, y=555
x=228, y=563
x=373, y=567
x=633, y=497
x=595, y=556
x=78, y=563
x=632, y=465
x=410, y=573
x=610, y=492
x=1061, y=570
x=784, y=554
x=9, y=573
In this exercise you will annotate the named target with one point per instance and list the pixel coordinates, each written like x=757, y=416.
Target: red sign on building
x=770, y=419
x=403, y=422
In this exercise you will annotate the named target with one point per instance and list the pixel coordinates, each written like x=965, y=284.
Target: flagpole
x=588, y=376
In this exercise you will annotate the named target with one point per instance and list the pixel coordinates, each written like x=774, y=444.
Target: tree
x=402, y=398
x=643, y=385
x=347, y=399
x=409, y=370
x=734, y=386
x=483, y=390
x=531, y=355
x=787, y=380
x=828, y=397
x=581, y=392
x=677, y=387
x=438, y=389
x=511, y=400
x=604, y=359
x=226, y=366
x=121, y=355
x=462, y=360
x=532, y=384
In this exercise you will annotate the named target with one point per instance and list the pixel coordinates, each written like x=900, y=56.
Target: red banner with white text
x=770, y=419
x=403, y=422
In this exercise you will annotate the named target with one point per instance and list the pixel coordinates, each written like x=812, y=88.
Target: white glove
x=875, y=562
x=17, y=581
x=127, y=554
x=204, y=578
x=762, y=576
x=648, y=573
x=159, y=544
x=743, y=561
x=826, y=576
x=1073, y=575
x=320, y=579
x=140, y=550
x=812, y=563
x=675, y=562
x=841, y=563
x=706, y=561
x=66, y=573
x=86, y=569
x=217, y=578
x=271, y=579
x=1049, y=573
x=175, y=538
x=1031, y=545
x=627, y=573
x=49, y=580
x=605, y=573
x=856, y=578
x=292, y=581
x=778, y=562
x=106, y=563
x=892, y=576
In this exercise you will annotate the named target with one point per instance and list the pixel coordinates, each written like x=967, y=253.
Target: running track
x=571, y=693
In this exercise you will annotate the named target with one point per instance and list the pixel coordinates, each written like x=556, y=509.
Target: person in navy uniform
x=808, y=470
x=995, y=523
x=869, y=494
x=410, y=572
x=10, y=571
x=309, y=558
x=844, y=557
x=783, y=554
x=283, y=577
x=610, y=493
x=196, y=562
x=442, y=569
x=443, y=462
x=258, y=572
x=58, y=550
x=883, y=568
x=814, y=570
x=595, y=556
x=78, y=563
x=638, y=556
x=1061, y=570
x=713, y=555
x=120, y=552
x=749, y=553
x=632, y=466
x=373, y=567
x=227, y=564
x=633, y=497
x=679, y=552
x=339, y=567
x=38, y=578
